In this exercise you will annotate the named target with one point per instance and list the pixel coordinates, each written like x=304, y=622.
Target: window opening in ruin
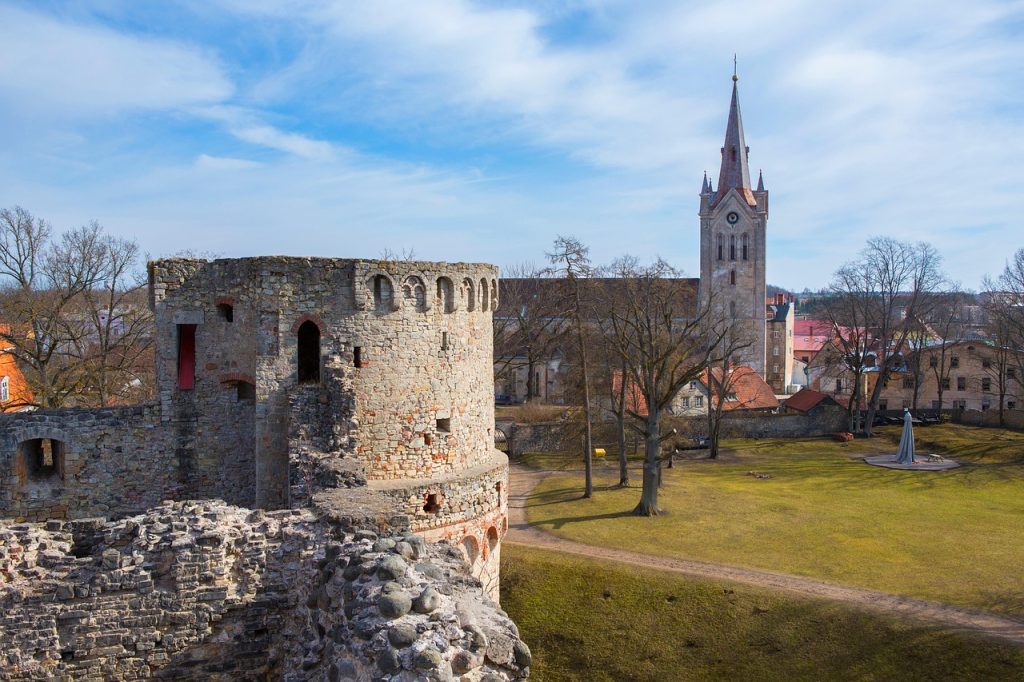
x=497, y=488
x=444, y=340
x=245, y=390
x=483, y=294
x=309, y=352
x=471, y=548
x=445, y=295
x=383, y=294
x=492, y=538
x=732, y=277
x=467, y=290
x=357, y=356
x=43, y=458
x=186, y=357
x=444, y=425
x=433, y=503
x=226, y=312
x=5, y=389
x=428, y=439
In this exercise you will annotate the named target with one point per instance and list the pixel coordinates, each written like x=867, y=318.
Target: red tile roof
x=806, y=399
x=751, y=391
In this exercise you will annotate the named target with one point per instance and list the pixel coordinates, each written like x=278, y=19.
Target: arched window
x=445, y=295
x=383, y=294
x=483, y=294
x=415, y=293
x=494, y=294
x=732, y=247
x=732, y=277
x=468, y=294
x=744, y=246
x=308, y=351
x=42, y=459
x=721, y=246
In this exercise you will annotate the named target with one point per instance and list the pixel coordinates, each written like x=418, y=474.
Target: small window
x=1011, y=373
x=908, y=382
x=986, y=384
x=985, y=404
x=444, y=425
x=226, y=312
x=383, y=294
x=721, y=246
x=428, y=439
x=986, y=363
x=883, y=405
x=245, y=391
x=732, y=247
x=698, y=401
x=1011, y=405
x=43, y=459
x=954, y=361
x=776, y=333
x=839, y=385
x=686, y=402
x=961, y=384
x=186, y=357
x=5, y=389
x=775, y=350
x=732, y=277
x=744, y=246
x=444, y=340
x=357, y=356
x=933, y=361
x=945, y=384
x=432, y=504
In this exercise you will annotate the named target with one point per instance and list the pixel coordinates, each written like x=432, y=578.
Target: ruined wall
x=206, y=591
x=110, y=461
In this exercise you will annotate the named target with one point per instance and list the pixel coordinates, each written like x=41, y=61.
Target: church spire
x=734, y=173
x=704, y=189
x=760, y=180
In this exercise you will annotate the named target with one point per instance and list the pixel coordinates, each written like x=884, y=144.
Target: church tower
x=733, y=218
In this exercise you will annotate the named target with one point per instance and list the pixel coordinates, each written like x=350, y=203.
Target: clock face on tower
x=732, y=217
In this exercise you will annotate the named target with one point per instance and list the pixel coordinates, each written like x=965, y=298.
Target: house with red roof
x=742, y=389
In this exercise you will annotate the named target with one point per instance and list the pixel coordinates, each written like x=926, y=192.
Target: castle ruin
x=319, y=424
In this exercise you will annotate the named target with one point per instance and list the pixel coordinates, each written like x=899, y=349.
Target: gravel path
x=523, y=480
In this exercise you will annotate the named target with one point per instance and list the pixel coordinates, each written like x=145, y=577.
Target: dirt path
x=523, y=480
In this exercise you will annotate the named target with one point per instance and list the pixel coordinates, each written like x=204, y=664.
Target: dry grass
x=586, y=619
x=954, y=536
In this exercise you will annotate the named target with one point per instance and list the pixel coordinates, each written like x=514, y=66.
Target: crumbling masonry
x=319, y=425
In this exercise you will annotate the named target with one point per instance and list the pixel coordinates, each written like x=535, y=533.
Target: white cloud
x=224, y=163
x=75, y=70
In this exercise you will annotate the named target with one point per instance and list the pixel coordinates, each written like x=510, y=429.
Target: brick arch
x=42, y=431
x=237, y=376
x=309, y=318
x=492, y=537
x=225, y=300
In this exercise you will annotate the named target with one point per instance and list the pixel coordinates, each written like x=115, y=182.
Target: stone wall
x=1012, y=419
x=558, y=436
x=206, y=591
x=111, y=461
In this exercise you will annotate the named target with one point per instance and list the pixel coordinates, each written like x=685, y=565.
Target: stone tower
x=733, y=218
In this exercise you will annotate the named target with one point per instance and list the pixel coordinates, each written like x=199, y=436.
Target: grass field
x=954, y=536
x=591, y=620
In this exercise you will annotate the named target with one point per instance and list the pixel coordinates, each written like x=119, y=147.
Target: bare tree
x=52, y=298
x=660, y=332
x=570, y=258
x=936, y=341
x=1005, y=308
x=531, y=322
x=883, y=291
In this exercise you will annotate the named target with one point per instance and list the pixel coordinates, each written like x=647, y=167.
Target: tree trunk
x=648, y=505
x=621, y=419
x=588, y=439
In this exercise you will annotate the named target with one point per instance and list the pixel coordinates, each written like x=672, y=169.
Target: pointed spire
x=704, y=186
x=760, y=180
x=735, y=173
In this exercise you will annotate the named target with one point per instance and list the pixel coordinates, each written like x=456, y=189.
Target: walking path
x=523, y=480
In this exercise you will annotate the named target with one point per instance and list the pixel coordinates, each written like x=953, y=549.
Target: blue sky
x=480, y=130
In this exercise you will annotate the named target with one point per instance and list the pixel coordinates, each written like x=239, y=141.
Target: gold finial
x=734, y=76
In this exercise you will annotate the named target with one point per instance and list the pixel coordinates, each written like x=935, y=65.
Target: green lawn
x=590, y=620
x=955, y=536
